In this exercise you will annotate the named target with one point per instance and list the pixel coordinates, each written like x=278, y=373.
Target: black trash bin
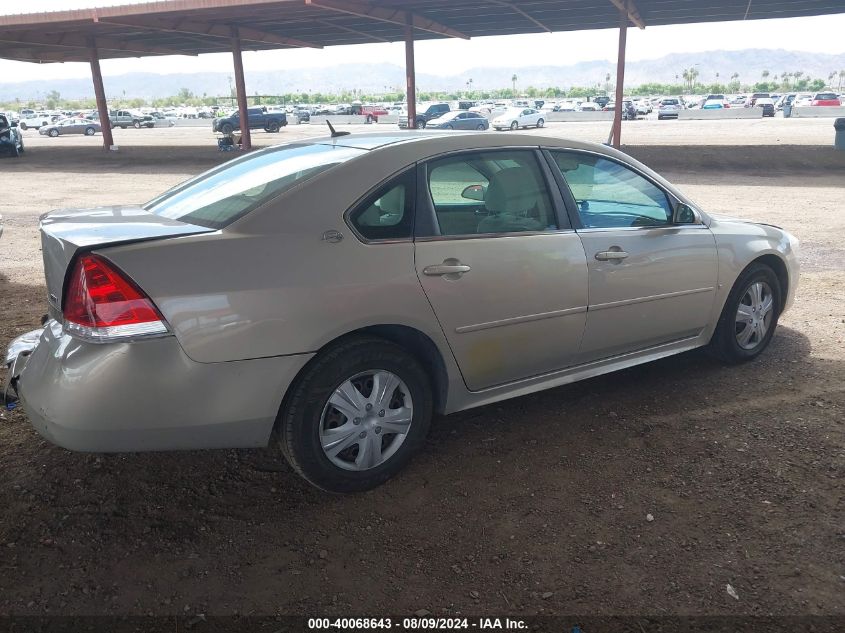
x=839, y=142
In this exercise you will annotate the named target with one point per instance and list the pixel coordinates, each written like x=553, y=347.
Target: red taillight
x=101, y=303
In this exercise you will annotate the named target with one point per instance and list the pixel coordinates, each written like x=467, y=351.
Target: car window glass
x=490, y=192
x=221, y=195
x=386, y=214
x=610, y=195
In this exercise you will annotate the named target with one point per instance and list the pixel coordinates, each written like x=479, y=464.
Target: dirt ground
x=535, y=505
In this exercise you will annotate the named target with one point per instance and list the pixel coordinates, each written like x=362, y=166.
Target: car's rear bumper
x=147, y=395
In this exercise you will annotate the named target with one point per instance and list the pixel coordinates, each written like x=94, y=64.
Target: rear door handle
x=605, y=256
x=446, y=269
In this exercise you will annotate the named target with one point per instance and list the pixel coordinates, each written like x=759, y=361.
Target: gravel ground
x=643, y=492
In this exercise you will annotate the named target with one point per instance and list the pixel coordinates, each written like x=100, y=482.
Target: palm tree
x=841, y=79
x=735, y=79
x=765, y=75
x=513, y=81
x=784, y=77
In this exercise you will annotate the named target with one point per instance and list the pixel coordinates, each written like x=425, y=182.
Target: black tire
x=369, y=119
x=89, y=131
x=298, y=424
x=448, y=127
x=54, y=133
x=15, y=152
x=479, y=127
x=273, y=127
x=23, y=127
x=123, y=127
x=540, y=123
x=136, y=125
x=420, y=124
x=724, y=344
x=514, y=125
x=226, y=129
x=20, y=146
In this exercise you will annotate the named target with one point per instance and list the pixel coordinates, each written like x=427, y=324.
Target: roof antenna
x=334, y=132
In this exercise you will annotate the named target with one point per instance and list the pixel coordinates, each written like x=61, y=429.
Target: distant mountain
x=375, y=78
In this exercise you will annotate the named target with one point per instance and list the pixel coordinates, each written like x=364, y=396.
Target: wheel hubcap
x=366, y=420
x=754, y=315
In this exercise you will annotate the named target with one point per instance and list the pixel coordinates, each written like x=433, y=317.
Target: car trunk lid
x=66, y=232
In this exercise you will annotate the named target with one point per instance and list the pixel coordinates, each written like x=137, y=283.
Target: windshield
x=221, y=195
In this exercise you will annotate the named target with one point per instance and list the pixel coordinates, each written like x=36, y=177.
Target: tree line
x=686, y=82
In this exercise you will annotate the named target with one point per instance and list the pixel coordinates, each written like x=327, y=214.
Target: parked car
x=11, y=140
x=372, y=112
x=715, y=104
x=33, y=121
x=301, y=115
x=459, y=120
x=125, y=118
x=767, y=104
x=752, y=100
x=70, y=126
x=209, y=317
x=515, y=118
x=425, y=115
x=257, y=119
x=825, y=99
x=669, y=108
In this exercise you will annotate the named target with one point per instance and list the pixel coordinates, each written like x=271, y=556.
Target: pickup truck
x=425, y=115
x=124, y=118
x=257, y=118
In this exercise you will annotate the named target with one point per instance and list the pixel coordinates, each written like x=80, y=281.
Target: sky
x=449, y=57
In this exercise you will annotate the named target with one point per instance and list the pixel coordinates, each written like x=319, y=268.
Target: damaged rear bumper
x=17, y=355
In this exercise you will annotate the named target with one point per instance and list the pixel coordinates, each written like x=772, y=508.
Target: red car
x=825, y=99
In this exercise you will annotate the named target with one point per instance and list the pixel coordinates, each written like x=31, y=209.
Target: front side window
x=610, y=195
x=490, y=192
x=221, y=195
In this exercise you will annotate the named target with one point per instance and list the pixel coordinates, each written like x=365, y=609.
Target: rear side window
x=387, y=213
x=221, y=195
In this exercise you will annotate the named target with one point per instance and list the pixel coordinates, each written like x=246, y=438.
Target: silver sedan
x=330, y=296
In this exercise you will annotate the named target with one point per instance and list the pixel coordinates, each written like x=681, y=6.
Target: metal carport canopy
x=194, y=27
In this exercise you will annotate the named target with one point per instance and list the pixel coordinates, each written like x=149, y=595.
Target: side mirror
x=474, y=192
x=685, y=214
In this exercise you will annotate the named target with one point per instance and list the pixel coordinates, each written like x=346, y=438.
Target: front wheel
x=273, y=126
x=23, y=127
x=750, y=315
x=89, y=131
x=356, y=416
x=53, y=133
x=136, y=125
x=226, y=129
x=540, y=123
x=420, y=125
x=514, y=125
x=479, y=127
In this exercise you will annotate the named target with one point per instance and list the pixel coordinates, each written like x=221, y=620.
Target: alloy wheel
x=754, y=315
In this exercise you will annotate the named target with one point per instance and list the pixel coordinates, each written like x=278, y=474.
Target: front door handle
x=606, y=256
x=446, y=269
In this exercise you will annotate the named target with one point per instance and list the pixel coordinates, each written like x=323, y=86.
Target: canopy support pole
x=620, y=79
x=240, y=88
x=410, y=72
x=100, y=93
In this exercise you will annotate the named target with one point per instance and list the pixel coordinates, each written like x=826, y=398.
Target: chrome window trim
x=667, y=227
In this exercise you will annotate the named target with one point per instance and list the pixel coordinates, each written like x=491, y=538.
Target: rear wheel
x=136, y=125
x=89, y=131
x=273, y=126
x=448, y=127
x=23, y=126
x=356, y=416
x=369, y=119
x=479, y=127
x=226, y=128
x=540, y=123
x=54, y=133
x=750, y=315
x=420, y=124
x=514, y=125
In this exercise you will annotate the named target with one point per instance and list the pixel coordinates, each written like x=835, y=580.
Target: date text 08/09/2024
x=417, y=623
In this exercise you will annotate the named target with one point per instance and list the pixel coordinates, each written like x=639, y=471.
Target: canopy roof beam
x=383, y=14
x=513, y=7
x=192, y=27
x=630, y=9
x=68, y=40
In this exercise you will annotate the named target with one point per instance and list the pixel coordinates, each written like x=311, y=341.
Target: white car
x=669, y=108
x=588, y=106
x=515, y=118
x=34, y=121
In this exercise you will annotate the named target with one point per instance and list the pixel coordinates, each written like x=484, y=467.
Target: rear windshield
x=221, y=195
x=825, y=96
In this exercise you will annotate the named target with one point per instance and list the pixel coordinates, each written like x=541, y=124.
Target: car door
x=652, y=278
x=503, y=270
